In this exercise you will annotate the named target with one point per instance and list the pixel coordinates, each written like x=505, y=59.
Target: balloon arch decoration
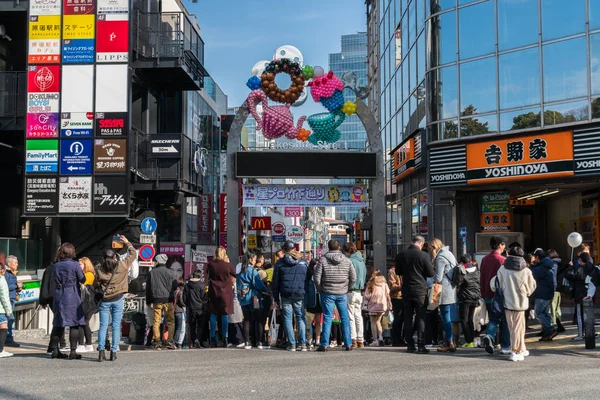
x=276, y=121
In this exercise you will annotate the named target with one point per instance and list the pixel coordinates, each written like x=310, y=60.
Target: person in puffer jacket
x=466, y=281
x=379, y=302
x=544, y=294
x=334, y=277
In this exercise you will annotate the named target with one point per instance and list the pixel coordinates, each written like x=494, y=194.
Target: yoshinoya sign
x=447, y=166
x=41, y=194
x=111, y=124
x=74, y=125
x=110, y=194
x=304, y=195
x=407, y=158
x=165, y=146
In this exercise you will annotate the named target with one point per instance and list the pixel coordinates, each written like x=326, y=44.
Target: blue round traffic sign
x=147, y=252
x=149, y=225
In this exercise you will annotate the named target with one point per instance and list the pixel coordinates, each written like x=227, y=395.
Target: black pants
x=433, y=327
x=197, y=319
x=414, y=306
x=85, y=332
x=466, y=312
x=250, y=320
x=62, y=343
x=57, y=331
x=398, y=324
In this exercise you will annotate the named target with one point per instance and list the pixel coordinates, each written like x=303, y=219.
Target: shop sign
x=74, y=125
x=165, y=146
x=78, y=26
x=75, y=157
x=294, y=212
x=112, y=38
x=30, y=292
x=45, y=7
x=304, y=195
x=205, y=220
x=407, y=158
x=448, y=166
x=223, y=213
x=586, y=152
x=42, y=126
x=524, y=202
x=172, y=249
x=78, y=51
x=41, y=156
x=78, y=7
x=530, y=157
x=41, y=195
x=44, y=27
x=43, y=79
x=113, y=6
x=110, y=155
x=75, y=195
x=44, y=51
x=111, y=124
x=260, y=223
x=295, y=233
x=495, y=212
x=495, y=222
x=252, y=242
x=110, y=194
x=278, y=229
x=223, y=240
x=359, y=235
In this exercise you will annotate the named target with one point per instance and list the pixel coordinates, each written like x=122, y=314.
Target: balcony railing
x=13, y=94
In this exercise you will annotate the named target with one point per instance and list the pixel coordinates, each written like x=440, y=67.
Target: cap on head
x=288, y=245
x=161, y=259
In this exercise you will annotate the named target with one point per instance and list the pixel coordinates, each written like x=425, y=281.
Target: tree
x=472, y=126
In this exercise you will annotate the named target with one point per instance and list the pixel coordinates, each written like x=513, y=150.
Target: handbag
x=497, y=306
x=99, y=293
x=273, y=329
x=436, y=296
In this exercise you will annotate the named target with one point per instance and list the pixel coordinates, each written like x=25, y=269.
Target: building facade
x=484, y=100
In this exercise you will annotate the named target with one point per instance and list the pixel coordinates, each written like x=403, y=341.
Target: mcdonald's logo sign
x=261, y=223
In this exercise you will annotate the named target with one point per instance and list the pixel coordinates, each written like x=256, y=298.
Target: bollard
x=590, y=329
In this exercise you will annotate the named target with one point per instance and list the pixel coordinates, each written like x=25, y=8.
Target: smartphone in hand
x=117, y=243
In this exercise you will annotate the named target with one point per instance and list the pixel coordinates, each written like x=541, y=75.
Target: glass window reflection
x=445, y=93
x=412, y=22
x=477, y=32
x=560, y=19
x=596, y=108
x=463, y=2
x=405, y=88
x=595, y=62
x=443, y=48
x=565, y=71
x=521, y=119
x=413, y=68
x=567, y=112
x=517, y=23
x=594, y=14
x=479, y=125
x=519, y=78
x=478, y=86
x=448, y=130
x=420, y=14
x=421, y=57
x=441, y=5
x=404, y=35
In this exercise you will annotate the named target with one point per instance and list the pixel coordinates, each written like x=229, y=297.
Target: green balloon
x=308, y=71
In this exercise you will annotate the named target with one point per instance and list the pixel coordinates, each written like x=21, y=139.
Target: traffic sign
x=278, y=238
x=278, y=228
x=146, y=263
x=295, y=233
x=147, y=252
x=149, y=225
x=462, y=232
x=147, y=239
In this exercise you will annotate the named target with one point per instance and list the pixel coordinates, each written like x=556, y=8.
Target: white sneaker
x=578, y=338
x=332, y=345
x=80, y=349
x=525, y=353
x=241, y=345
x=248, y=346
x=260, y=346
x=374, y=344
x=65, y=349
x=89, y=349
x=505, y=352
x=516, y=357
x=6, y=354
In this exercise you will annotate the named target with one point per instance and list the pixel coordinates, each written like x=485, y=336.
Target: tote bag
x=273, y=329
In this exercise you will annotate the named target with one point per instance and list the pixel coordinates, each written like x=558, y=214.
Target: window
x=445, y=93
x=413, y=68
x=565, y=71
x=412, y=21
x=443, y=49
x=447, y=130
x=420, y=15
x=566, y=112
x=398, y=82
x=477, y=31
x=478, y=86
x=463, y=2
x=479, y=125
x=405, y=35
x=405, y=88
x=560, y=20
x=517, y=23
x=421, y=55
x=522, y=119
x=441, y=5
x=519, y=78
x=595, y=61
x=594, y=14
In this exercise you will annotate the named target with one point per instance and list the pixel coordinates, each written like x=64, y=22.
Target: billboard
x=205, y=220
x=110, y=195
x=112, y=88
x=78, y=26
x=305, y=195
x=44, y=51
x=78, y=7
x=41, y=194
x=44, y=27
x=113, y=6
x=110, y=155
x=41, y=156
x=111, y=124
x=45, y=7
x=75, y=157
x=78, y=90
x=112, y=38
x=42, y=126
x=43, y=79
x=78, y=51
x=76, y=124
x=75, y=195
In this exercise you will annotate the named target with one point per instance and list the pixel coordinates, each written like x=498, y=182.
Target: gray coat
x=335, y=274
x=444, y=268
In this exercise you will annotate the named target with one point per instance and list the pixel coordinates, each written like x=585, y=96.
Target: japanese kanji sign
x=495, y=212
x=41, y=194
x=44, y=7
x=78, y=26
x=75, y=195
x=112, y=38
x=540, y=156
x=44, y=51
x=205, y=220
x=42, y=126
x=305, y=195
x=110, y=155
x=71, y=7
x=44, y=27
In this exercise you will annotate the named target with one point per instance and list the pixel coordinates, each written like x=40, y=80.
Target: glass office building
x=492, y=95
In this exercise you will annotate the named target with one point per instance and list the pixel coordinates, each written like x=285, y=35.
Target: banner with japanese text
x=305, y=195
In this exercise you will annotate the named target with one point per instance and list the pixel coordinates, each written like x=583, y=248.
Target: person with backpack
x=444, y=267
x=249, y=287
x=466, y=280
x=558, y=271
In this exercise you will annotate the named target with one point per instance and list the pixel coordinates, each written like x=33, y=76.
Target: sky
x=239, y=33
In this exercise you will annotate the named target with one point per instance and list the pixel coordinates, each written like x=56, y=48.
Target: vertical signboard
x=112, y=38
x=44, y=38
x=205, y=222
x=223, y=220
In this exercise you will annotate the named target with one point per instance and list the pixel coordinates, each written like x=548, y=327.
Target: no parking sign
x=147, y=252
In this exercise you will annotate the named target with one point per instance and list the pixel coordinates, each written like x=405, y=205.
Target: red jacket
x=488, y=269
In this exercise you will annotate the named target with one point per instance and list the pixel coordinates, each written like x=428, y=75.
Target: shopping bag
x=437, y=293
x=273, y=329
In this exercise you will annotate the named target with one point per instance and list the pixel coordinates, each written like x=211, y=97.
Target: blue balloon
x=253, y=83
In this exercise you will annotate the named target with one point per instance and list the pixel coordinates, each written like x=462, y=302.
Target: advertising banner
x=42, y=103
x=43, y=79
x=205, y=220
x=77, y=93
x=305, y=195
x=111, y=124
x=75, y=195
x=41, y=156
x=113, y=6
x=78, y=26
x=110, y=155
x=78, y=51
x=110, y=194
x=112, y=89
x=112, y=38
x=30, y=292
x=44, y=51
x=42, y=126
x=75, y=157
x=78, y=7
x=44, y=27
x=495, y=212
x=176, y=254
x=223, y=213
x=75, y=125
x=293, y=212
x=260, y=223
x=41, y=194
x=45, y=7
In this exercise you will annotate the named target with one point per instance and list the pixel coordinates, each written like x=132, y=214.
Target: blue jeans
x=328, y=301
x=291, y=307
x=543, y=312
x=114, y=309
x=213, y=326
x=445, y=314
x=492, y=327
x=179, y=328
x=11, y=321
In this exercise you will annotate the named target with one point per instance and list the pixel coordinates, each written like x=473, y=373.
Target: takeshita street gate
x=277, y=121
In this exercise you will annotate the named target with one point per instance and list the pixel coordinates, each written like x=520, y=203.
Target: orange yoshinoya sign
x=539, y=156
x=404, y=160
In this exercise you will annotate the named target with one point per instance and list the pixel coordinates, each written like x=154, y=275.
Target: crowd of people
x=427, y=299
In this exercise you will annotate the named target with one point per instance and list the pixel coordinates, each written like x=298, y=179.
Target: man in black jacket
x=415, y=267
x=160, y=292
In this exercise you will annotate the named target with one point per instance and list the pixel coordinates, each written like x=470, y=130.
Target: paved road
x=381, y=373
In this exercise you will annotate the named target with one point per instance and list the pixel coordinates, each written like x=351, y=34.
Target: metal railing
x=13, y=94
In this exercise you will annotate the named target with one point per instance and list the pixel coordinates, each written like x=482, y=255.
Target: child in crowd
x=378, y=301
x=179, y=306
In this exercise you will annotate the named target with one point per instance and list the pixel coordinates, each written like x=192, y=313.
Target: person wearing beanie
x=160, y=292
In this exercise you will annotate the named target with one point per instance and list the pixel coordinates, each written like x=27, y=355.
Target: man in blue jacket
x=14, y=287
x=289, y=281
x=544, y=293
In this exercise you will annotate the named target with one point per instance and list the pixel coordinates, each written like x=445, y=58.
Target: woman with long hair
x=314, y=309
x=67, y=300
x=221, y=277
x=113, y=281
x=85, y=332
x=379, y=302
x=249, y=286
